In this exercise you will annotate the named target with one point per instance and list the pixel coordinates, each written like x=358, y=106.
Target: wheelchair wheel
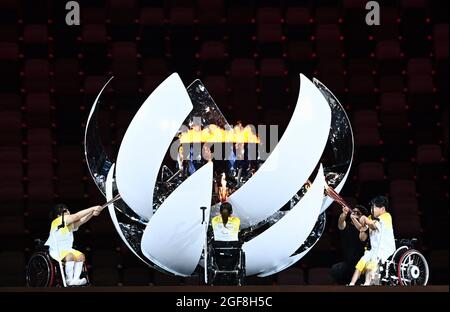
x=40, y=271
x=412, y=269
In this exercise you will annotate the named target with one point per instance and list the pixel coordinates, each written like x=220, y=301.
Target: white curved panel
x=112, y=211
x=174, y=236
x=285, y=264
x=147, y=140
x=272, y=247
x=292, y=260
x=290, y=163
x=94, y=106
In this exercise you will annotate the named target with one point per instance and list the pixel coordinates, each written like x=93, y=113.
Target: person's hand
x=363, y=220
x=97, y=210
x=345, y=210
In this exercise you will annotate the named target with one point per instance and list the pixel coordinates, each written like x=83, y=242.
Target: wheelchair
x=406, y=267
x=225, y=263
x=44, y=271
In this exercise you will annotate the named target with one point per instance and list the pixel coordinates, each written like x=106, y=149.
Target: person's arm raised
x=72, y=218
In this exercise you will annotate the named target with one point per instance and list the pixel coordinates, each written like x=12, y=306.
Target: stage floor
x=202, y=289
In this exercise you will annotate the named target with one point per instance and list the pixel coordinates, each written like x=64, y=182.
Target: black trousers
x=342, y=272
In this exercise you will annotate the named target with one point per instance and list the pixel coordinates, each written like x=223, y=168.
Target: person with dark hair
x=225, y=226
x=382, y=240
x=61, y=239
x=353, y=243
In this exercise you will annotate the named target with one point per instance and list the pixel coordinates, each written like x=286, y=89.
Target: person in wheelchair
x=226, y=247
x=60, y=240
x=382, y=240
x=225, y=226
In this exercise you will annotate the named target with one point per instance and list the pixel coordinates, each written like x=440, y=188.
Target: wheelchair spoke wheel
x=40, y=272
x=413, y=269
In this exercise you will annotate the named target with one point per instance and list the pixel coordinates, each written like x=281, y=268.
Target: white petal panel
x=271, y=248
x=147, y=140
x=112, y=211
x=174, y=236
x=290, y=163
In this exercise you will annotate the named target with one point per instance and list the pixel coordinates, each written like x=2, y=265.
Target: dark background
x=392, y=80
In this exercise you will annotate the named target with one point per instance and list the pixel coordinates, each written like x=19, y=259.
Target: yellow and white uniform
x=60, y=240
x=382, y=244
x=226, y=233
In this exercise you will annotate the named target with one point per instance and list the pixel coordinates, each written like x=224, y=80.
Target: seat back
x=226, y=255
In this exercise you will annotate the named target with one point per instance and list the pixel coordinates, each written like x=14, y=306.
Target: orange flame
x=215, y=134
x=223, y=191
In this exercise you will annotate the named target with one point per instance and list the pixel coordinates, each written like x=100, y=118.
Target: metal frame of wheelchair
x=406, y=267
x=217, y=274
x=44, y=271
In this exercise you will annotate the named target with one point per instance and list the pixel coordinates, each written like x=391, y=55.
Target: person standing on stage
x=353, y=241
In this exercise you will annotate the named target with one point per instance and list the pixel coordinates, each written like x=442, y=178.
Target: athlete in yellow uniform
x=225, y=226
x=60, y=240
x=382, y=240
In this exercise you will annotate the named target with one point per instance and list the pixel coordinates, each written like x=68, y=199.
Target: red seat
x=10, y=128
x=9, y=51
x=210, y=12
x=212, y=50
x=70, y=173
x=392, y=83
x=420, y=84
x=370, y=171
x=326, y=15
x=361, y=84
x=66, y=76
x=402, y=189
x=360, y=66
x=419, y=66
x=94, y=34
x=122, y=12
x=35, y=34
x=37, y=73
x=393, y=113
x=407, y=226
x=367, y=119
x=440, y=36
x=10, y=101
x=39, y=136
x=429, y=153
x=93, y=84
x=38, y=108
x=405, y=206
x=181, y=16
x=401, y=170
x=152, y=16
x=269, y=25
x=217, y=87
x=299, y=51
x=388, y=50
x=297, y=16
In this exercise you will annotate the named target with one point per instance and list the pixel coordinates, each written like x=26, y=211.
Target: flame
x=215, y=134
x=223, y=191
